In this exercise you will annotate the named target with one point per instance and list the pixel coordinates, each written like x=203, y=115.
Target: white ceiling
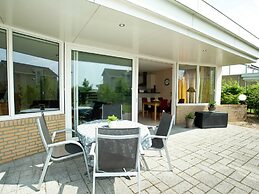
x=82, y=22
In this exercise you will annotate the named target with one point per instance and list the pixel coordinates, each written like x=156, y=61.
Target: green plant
x=190, y=115
x=112, y=118
x=230, y=91
x=212, y=103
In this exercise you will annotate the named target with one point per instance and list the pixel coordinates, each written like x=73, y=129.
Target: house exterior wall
x=235, y=112
x=20, y=137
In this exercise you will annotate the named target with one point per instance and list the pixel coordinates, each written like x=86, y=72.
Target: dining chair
x=159, y=140
x=116, y=153
x=111, y=109
x=57, y=151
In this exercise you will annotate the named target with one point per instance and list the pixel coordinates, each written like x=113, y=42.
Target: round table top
x=86, y=131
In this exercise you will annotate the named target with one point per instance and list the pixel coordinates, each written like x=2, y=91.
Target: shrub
x=230, y=92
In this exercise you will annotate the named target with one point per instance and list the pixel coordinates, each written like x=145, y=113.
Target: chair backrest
x=111, y=109
x=164, y=127
x=117, y=149
x=43, y=130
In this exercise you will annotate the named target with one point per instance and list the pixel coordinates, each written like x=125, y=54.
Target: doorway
x=155, y=84
x=96, y=80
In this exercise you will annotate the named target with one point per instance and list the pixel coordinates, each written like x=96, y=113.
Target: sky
x=244, y=12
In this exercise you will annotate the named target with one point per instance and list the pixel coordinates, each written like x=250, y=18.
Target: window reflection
x=207, y=84
x=3, y=75
x=36, y=74
x=187, y=84
x=96, y=80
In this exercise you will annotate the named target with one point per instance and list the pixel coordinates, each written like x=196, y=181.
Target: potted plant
x=112, y=120
x=189, y=119
x=212, y=106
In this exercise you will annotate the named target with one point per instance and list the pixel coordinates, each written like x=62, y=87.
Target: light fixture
x=122, y=25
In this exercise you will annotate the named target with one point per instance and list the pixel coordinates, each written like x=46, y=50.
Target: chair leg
x=86, y=165
x=145, y=162
x=138, y=174
x=161, y=155
x=45, y=167
x=168, y=158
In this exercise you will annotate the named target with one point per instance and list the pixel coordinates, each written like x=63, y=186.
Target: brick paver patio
x=224, y=160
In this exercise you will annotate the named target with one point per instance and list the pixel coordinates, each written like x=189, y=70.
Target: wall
x=165, y=91
x=235, y=112
x=20, y=138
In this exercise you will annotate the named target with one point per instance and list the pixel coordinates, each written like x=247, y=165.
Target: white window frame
x=198, y=84
x=95, y=50
x=11, y=106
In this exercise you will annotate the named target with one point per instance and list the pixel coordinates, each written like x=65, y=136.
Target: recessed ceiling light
x=122, y=25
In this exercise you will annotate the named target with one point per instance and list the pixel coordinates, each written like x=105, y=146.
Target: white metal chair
x=59, y=150
x=159, y=140
x=116, y=153
x=111, y=109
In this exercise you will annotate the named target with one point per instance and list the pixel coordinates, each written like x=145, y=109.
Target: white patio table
x=86, y=132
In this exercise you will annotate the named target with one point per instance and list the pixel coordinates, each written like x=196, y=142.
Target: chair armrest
x=60, y=131
x=152, y=129
x=157, y=136
x=92, y=153
x=64, y=143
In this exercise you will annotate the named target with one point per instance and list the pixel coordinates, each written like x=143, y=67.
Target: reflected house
x=111, y=76
x=31, y=82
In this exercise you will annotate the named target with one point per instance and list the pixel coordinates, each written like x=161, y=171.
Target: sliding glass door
x=96, y=80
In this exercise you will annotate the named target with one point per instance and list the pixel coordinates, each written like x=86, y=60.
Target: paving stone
x=181, y=164
x=239, y=175
x=223, y=169
x=196, y=190
x=121, y=187
x=169, y=178
x=169, y=191
x=203, y=187
x=223, y=187
x=162, y=186
x=206, y=178
x=193, y=170
x=182, y=187
x=52, y=187
x=212, y=191
x=238, y=185
x=152, y=190
x=237, y=191
x=189, y=178
x=252, y=180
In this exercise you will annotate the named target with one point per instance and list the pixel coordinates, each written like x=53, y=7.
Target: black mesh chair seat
x=66, y=150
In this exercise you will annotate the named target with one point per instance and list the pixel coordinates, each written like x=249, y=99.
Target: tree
x=230, y=91
x=253, y=98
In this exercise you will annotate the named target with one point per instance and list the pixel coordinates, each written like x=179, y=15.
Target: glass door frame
x=68, y=99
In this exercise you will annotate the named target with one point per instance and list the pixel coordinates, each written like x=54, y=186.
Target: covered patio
x=216, y=160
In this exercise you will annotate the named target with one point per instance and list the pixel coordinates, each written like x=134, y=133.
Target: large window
x=187, y=79
x=96, y=80
x=3, y=75
x=207, y=84
x=36, y=74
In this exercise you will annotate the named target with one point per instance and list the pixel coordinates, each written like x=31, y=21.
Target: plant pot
x=189, y=122
x=212, y=108
x=112, y=124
